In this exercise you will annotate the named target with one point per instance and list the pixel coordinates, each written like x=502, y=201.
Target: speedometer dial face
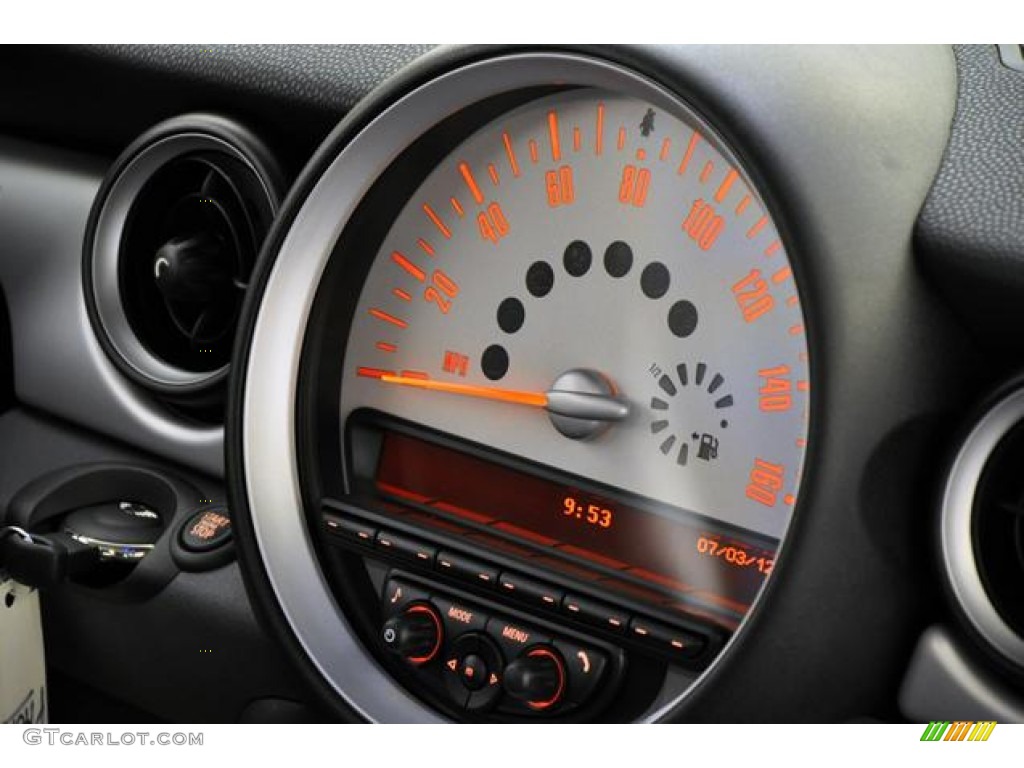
x=593, y=283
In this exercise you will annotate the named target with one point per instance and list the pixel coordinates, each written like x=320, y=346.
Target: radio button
x=350, y=530
x=670, y=641
x=459, y=617
x=399, y=593
x=595, y=613
x=406, y=547
x=529, y=591
x=472, y=672
x=513, y=638
x=584, y=669
x=466, y=568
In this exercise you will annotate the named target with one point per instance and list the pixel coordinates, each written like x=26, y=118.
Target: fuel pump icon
x=707, y=446
x=704, y=401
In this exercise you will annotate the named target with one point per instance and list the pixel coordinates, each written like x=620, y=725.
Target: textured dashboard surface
x=328, y=77
x=971, y=230
x=99, y=98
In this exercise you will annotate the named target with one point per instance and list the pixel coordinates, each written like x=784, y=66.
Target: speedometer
x=593, y=283
x=551, y=398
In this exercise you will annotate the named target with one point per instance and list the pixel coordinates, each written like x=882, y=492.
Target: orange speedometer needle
x=535, y=399
x=574, y=404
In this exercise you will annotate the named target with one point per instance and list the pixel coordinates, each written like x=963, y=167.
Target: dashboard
x=515, y=383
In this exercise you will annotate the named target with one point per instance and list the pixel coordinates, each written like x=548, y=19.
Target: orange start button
x=206, y=530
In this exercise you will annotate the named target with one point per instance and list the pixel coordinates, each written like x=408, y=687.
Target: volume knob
x=415, y=634
x=537, y=678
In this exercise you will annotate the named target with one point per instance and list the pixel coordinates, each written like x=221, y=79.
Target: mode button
x=459, y=617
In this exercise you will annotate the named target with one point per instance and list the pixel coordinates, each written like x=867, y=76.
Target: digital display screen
x=668, y=556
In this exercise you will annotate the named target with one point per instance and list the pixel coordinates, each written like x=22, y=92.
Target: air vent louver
x=173, y=238
x=981, y=526
x=998, y=523
x=188, y=248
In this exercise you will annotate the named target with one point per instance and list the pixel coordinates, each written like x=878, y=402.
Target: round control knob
x=474, y=672
x=190, y=268
x=537, y=678
x=415, y=634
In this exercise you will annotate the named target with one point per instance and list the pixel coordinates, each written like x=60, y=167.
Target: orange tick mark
x=689, y=153
x=493, y=173
x=457, y=207
x=622, y=138
x=599, y=133
x=796, y=330
x=383, y=346
x=771, y=249
x=534, y=156
x=641, y=154
x=399, y=293
x=758, y=226
x=408, y=266
x=426, y=247
x=792, y=301
x=743, y=205
x=437, y=221
x=727, y=183
x=382, y=315
x=576, y=138
x=556, y=149
x=705, y=174
x=374, y=373
x=666, y=146
x=474, y=190
x=510, y=153
x=782, y=275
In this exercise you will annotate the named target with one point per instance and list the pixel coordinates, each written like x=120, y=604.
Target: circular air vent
x=173, y=237
x=982, y=527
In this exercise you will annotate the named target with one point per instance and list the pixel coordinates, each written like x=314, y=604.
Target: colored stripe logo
x=958, y=731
